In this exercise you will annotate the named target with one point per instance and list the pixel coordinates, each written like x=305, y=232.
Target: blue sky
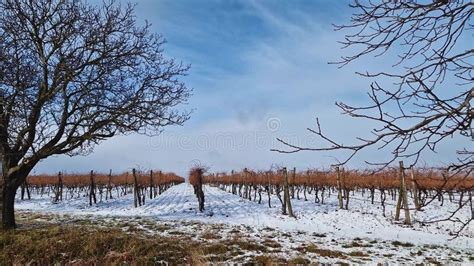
x=259, y=70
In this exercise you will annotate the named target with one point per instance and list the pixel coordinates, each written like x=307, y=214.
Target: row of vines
x=410, y=189
x=97, y=187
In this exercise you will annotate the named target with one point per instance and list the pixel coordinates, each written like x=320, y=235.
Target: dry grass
x=358, y=254
x=215, y=249
x=402, y=244
x=311, y=248
x=264, y=260
x=63, y=241
x=247, y=245
x=198, y=258
x=357, y=244
x=209, y=235
x=271, y=243
x=298, y=261
x=53, y=244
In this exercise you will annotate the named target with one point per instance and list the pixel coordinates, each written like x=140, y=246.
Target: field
x=238, y=225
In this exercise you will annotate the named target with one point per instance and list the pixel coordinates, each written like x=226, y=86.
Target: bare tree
x=427, y=111
x=432, y=95
x=73, y=74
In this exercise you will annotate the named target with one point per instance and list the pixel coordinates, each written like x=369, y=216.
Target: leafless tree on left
x=73, y=74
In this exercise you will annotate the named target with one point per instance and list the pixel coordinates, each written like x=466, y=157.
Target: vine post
x=286, y=193
x=339, y=188
x=415, y=189
x=402, y=197
x=92, y=197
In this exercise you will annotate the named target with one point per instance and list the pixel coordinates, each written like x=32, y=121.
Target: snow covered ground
x=362, y=221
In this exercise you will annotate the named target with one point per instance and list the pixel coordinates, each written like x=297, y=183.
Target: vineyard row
x=97, y=187
x=422, y=186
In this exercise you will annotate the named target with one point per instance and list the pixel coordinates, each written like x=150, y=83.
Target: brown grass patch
x=214, y=249
x=210, y=235
x=264, y=260
x=311, y=248
x=356, y=244
x=53, y=244
x=358, y=254
x=271, y=243
x=402, y=244
x=298, y=261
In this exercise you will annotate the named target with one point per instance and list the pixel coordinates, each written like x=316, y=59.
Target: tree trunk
x=8, y=187
x=7, y=205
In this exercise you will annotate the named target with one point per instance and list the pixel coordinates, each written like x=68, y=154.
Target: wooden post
x=283, y=202
x=402, y=197
x=345, y=189
x=287, y=194
x=405, y=197
x=59, y=188
x=92, y=197
x=25, y=189
x=306, y=185
x=382, y=200
x=136, y=197
x=109, y=186
x=155, y=188
x=267, y=189
x=56, y=189
x=399, y=204
x=196, y=179
x=200, y=191
x=339, y=188
x=151, y=184
x=415, y=189
x=246, y=188
x=233, y=187
x=293, y=183
x=159, y=183
x=470, y=203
